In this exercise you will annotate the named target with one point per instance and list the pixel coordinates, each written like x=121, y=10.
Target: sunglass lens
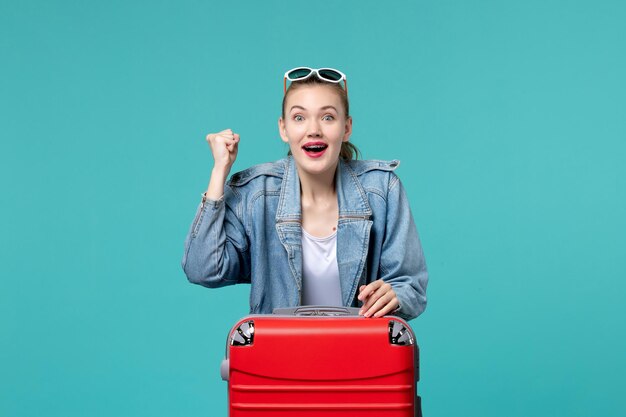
x=330, y=75
x=298, y=73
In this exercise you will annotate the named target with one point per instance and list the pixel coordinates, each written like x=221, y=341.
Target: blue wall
x=509, y=119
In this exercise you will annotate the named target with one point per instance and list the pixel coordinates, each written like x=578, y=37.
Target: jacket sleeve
x=402, y=259
x=216, y=248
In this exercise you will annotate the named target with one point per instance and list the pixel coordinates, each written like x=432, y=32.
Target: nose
x=314, y=130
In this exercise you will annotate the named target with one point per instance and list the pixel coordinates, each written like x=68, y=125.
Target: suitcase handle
x=317, y=311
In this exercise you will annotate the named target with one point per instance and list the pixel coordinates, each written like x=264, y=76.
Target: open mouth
x=315, y=148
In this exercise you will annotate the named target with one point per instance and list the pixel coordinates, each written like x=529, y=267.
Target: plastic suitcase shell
x=321, y=362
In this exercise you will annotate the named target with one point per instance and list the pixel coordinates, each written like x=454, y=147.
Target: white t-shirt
x=320, y=272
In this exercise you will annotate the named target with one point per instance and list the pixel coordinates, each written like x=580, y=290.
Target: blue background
x=509, y=119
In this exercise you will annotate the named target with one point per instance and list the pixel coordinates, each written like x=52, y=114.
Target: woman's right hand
x=224, y=146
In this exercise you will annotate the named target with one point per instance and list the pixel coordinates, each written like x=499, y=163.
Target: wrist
x=220, y=171
x=215, y=190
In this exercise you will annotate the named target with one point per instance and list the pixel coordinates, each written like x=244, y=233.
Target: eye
x=328, y=117
x=298, y=118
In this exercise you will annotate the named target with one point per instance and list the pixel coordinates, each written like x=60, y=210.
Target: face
x=315, y=126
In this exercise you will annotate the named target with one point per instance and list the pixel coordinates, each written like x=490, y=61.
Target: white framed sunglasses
x=327, y=74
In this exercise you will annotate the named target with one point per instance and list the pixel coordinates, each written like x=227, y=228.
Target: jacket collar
x=350, y=193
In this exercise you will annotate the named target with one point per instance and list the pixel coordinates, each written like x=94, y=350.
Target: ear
x=282, y=131
x=348, y=131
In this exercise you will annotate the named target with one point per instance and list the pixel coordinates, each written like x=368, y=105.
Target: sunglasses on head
x=327, y=74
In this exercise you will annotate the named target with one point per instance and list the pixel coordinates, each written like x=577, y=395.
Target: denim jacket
x=253, y=235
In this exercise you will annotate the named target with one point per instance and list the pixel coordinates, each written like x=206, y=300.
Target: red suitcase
x=321, y=362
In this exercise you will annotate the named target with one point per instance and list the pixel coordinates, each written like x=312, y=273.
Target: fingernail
x=360, y=312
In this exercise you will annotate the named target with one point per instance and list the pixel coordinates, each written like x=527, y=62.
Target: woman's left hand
x=378, y=299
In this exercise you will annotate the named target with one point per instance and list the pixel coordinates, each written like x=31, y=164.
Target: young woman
x=318, y=227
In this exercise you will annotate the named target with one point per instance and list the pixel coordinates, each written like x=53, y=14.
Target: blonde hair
x=348, y=150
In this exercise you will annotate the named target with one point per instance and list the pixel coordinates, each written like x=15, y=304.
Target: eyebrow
x=321, y=108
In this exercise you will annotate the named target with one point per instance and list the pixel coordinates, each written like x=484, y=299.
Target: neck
x=317, y=187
